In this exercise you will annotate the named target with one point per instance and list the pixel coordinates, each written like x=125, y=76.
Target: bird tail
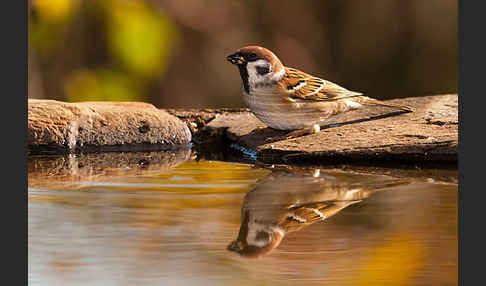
x=400, y=107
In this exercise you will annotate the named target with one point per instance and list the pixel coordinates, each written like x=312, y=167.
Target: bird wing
x=301, y=216
x=307, y=214
x=304, y=86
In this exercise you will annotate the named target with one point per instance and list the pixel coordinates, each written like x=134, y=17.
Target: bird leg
x=296, y=133
x=305, y=131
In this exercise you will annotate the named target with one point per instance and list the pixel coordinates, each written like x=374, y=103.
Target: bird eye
x=262, y=70
x=252, y=57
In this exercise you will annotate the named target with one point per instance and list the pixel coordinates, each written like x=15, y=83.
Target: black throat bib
x=244, y=76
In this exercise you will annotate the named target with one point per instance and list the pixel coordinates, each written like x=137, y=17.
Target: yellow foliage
x=82, y=86
x=139, y=37
x=107, y=85
x=48, y=28
x=54, y=10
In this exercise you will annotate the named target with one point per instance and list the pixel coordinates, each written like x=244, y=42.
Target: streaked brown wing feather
x=299, y=217
x=304, y=86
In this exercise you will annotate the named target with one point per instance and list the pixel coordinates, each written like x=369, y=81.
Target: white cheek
x=278, y=75
x=253, y=229
x=253, y=76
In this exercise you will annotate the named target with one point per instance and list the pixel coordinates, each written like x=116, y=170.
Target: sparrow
x=286, y=98
x=286, y=201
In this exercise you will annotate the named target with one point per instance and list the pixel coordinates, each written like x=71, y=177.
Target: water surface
x=162, y=218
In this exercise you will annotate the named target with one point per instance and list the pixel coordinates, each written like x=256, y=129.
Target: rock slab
x=60, y=127
x=429, y=134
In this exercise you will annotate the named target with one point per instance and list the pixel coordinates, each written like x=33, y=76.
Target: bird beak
x=234, y=246
x=235, y=59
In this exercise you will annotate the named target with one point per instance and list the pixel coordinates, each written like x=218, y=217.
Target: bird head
x=256, y=239
x=257, y=65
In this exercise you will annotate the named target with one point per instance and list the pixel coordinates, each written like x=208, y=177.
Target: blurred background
x=172, y=53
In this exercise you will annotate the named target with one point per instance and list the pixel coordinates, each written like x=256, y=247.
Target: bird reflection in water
x=289, y=200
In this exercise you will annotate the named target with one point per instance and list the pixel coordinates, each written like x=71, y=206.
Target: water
x=162, y=218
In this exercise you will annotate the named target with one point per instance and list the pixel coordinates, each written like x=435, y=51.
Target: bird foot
x=295, y=133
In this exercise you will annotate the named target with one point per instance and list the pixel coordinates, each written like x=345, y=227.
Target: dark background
x=172, y=53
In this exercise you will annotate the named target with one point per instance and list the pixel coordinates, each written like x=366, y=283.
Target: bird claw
x=293, y=134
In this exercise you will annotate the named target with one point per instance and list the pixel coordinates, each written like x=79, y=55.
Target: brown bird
x=285, y=98
x=287, y=201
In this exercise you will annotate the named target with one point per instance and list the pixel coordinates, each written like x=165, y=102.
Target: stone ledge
x=60, y=127
x=429, y=134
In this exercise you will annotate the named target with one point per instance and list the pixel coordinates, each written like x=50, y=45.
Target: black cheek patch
x=262, y=70
x=261, y=235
